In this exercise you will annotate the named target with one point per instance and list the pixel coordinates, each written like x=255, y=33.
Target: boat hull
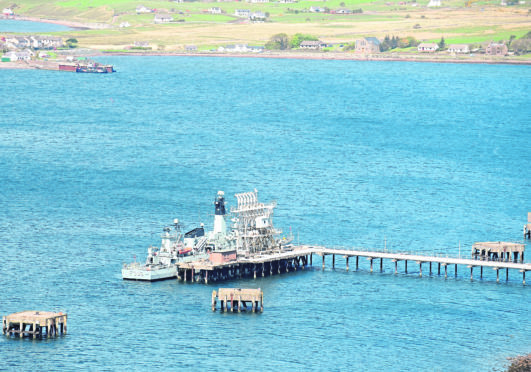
x=149, y=274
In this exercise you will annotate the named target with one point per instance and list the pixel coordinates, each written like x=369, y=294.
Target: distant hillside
x=210, y=24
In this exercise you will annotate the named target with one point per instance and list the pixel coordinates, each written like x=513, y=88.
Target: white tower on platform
x=220, y=226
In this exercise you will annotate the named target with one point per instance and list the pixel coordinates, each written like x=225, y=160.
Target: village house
x=459, y=49
x=7, y=12
x=13, y=56
x=316, y=9
x=125, y=24
x=258, y=17
x=141, y=44
x=257, y=1
x=434, y=3
x=287, y=1
x=142, y=9
x=427, y=47
x=312, y=44
x=496, y=49
x=255, y=49
x=215, y=10
x=191, y=48
x=242, y=13
x=18, y=42
x=240, y=48
x=342, y=11
x=367, y=45
x=46, y=42
x=162, y=18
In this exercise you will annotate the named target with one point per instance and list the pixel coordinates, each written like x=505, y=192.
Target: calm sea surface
x=9, y=25
x=425, y=157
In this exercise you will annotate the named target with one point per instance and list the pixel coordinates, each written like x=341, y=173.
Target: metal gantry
x=253, y=224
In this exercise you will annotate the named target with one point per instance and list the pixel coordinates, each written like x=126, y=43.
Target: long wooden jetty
x=298, y=257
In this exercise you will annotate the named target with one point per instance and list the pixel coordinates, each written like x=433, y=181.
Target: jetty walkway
x=423, y=259
x=295, y=258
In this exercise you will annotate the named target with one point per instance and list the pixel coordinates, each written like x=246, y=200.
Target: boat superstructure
x=161, y=263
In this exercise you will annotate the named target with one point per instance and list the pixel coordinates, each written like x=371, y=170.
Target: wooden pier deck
x=299, y=257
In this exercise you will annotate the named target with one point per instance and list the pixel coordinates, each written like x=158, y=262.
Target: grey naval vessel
x=251, y=232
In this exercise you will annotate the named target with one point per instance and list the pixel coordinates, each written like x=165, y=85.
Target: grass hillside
x=456, y=20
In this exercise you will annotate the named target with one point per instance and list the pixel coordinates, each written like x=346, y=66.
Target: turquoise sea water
x=424, y=157
x=9, y=25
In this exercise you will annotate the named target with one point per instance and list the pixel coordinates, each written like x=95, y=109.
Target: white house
x=317, y=9
x=343, y=11
x=242, y=13
x=257, y=1
x=427, y=47
x=125, y=24
x=434, y=3
x=312, y=44
x=142, y=9
x=162, y=18
x=18, y=42
x=215, y=10
x=7, y=12
x=255, y=49
x=46, y=42
x=257, y=17
x=12, y=56
x=25, y=55
x=459, y=48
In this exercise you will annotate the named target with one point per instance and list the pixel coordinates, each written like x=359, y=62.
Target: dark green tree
x=71, y=43
x=442, y=43
x=278, y=42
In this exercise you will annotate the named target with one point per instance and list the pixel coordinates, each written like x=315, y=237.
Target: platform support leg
x=347, y=262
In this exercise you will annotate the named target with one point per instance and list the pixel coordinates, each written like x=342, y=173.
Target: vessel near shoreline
x=87, y=67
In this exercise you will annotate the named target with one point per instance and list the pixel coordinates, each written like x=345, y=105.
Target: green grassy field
x=483, y=21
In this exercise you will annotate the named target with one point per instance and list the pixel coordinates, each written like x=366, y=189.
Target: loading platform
x=34, y=324
x=236, y=299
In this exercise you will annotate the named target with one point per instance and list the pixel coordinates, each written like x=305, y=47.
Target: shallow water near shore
x=11, y=25
x=415, y=157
